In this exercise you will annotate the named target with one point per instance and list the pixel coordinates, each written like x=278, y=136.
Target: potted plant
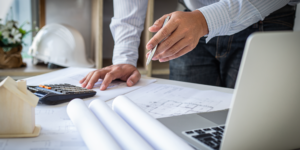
x=11, y=44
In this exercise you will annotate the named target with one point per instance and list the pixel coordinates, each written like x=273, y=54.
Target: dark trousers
x=217, y=62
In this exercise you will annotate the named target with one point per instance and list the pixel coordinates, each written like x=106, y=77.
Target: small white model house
x=17, y=105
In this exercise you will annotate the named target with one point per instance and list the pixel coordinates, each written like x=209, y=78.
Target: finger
x=85, y=82
x=171, y=41
x=147, y=55
x=162, y=34
x=83, y=79
x=158, y=23
x=180, y=53
x=96, y=76
x=171, y=51
x=134, y=78
x=110, y=76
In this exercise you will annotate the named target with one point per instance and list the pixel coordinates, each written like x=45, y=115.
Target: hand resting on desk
x=125, y=72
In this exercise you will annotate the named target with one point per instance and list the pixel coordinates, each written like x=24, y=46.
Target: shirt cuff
x=217, y=18
x=124, y=54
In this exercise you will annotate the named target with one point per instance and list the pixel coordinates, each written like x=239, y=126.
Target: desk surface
x=59, y=133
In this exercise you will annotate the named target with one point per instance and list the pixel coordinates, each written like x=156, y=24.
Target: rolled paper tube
x=127, y=138
x=89, y=127
x=155, y=133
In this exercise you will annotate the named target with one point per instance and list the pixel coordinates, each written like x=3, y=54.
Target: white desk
x=64, y=136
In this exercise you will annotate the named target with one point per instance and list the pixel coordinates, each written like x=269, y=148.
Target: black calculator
x=52, y=94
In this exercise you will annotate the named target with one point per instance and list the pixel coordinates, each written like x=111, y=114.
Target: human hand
x=125, y=72
x=184, y=30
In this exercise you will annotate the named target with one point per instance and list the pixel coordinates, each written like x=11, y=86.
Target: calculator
x=52, y=94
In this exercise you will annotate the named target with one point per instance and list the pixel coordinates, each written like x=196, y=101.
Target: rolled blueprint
x=127, y=138
x=91, y=130
x=155, y=133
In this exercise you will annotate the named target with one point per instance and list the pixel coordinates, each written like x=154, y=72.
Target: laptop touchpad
x=218, y=117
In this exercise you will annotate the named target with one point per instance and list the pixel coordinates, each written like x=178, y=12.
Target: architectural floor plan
x=162, y=100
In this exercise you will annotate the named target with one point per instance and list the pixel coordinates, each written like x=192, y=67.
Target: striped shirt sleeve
x=126, y=27
x=227, y=17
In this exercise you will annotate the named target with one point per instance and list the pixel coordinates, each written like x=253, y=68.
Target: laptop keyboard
x=210, y=137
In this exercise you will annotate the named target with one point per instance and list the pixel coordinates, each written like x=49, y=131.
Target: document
x=128, y=124
x=36, y=80
x=73, y=75
x=58, y=132
x=164, y=100
x=159, y=100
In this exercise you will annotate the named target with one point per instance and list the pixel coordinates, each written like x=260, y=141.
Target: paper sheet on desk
x=36, y=80
x=164, y=100
x=114, y=89
x=58, y=132
x=73, y=75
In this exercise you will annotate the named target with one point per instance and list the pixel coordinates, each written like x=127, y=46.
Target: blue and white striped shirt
x=223, y=17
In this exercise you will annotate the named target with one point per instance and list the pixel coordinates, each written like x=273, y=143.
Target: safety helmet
x=61, y=45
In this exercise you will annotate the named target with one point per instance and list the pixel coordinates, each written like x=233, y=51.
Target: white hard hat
x=61, y=45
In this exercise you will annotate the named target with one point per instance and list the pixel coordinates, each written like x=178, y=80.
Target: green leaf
x=26, y=34
x=22, y=31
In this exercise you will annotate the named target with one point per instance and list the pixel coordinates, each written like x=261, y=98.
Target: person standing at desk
x=205, y=43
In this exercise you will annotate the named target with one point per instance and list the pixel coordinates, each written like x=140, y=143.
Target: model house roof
x=19, y=91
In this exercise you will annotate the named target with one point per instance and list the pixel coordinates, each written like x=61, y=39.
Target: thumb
x=134, y=78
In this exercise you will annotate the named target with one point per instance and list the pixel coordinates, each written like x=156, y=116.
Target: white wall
x=4, y=7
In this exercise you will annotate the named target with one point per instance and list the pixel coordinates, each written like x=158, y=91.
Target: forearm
x=231, y=16
x=126, y=27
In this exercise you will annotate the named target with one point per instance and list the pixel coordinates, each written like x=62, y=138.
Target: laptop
x=265, y=111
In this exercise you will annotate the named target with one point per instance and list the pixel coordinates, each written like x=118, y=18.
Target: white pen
x=154, y=49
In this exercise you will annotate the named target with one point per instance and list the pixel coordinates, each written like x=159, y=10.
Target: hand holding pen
x=183, y=31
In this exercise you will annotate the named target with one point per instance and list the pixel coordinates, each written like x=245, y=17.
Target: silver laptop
x=265, y=112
